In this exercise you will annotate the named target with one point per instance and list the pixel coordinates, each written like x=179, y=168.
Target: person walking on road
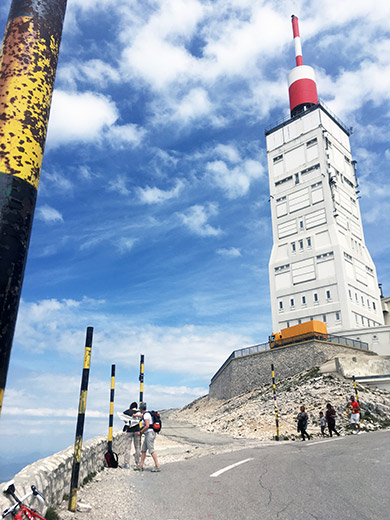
x=302, y=419
x=322, y=424
x=150, y=435
x=355, y=414
x=132, y=430
x=330, y=416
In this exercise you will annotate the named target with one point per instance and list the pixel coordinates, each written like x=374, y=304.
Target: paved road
x=187, y=433
x=342, y=478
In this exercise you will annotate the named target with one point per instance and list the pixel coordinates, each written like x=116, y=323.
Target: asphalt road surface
x=340, y=478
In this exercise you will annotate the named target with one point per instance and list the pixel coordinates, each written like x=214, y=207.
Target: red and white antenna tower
x=302, y=88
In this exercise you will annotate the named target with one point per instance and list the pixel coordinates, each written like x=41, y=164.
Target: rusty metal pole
x=28, y=63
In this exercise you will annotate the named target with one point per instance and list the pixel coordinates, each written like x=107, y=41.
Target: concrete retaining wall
x=52, y=475
x=245, y=373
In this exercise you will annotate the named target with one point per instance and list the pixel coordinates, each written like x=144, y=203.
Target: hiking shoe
x=137, y=468
x=155, y=469
x=126, y=466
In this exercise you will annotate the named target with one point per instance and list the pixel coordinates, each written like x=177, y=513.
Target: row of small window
x=296, y=175
x=324, y=318
x=300, y=244
x=365, y=321
x=328, y=145
x=349, y=257
x=304, y=300
x=362, y=300
x=310, y=143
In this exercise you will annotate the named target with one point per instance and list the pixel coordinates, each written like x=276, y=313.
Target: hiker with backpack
x=132, y=428
x=150, y=435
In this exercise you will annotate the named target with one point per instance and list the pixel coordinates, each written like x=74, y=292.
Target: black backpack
x=157, y=423
x=111, y=459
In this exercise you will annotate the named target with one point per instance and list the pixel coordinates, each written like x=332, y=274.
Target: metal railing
x=281, y=122
x=262, y=347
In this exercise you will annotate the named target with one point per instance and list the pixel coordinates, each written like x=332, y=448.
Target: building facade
x=320, y=267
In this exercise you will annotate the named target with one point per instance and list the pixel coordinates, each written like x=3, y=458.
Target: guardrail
x=262, y=347
x=281, y=122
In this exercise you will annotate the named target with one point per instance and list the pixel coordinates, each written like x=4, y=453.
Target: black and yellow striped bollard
x=74, y=482
x=275, y=405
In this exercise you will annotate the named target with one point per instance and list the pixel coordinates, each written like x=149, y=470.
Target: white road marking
x=217, y=473
x=322, y=442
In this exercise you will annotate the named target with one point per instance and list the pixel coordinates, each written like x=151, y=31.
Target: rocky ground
x=250, y=416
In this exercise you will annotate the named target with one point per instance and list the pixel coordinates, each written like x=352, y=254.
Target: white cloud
x=120, y=135
x=58, y=326
x=157, y=54
x=235, y=182
x=232, y=252
x=155, y=195
x=196, y=217
x=93, y=71
x=228, y=152
x=49, y=214
x=194, y=105
x=79, y=117
x=126, y=244
x=118, y=185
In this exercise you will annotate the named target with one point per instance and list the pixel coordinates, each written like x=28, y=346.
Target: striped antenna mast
x=297, y=41
x=302, y=86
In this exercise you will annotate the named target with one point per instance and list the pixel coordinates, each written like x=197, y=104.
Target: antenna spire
x=302, y=86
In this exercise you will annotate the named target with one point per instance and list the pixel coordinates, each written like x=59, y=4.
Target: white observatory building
x=319, y=267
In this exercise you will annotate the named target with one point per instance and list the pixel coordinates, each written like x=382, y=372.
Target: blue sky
x=152, y=222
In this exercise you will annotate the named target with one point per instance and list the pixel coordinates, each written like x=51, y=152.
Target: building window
x=337, y=316
x=299, y=321
x=328, y=296
x=308, y=242
x=368, y=303
x=312, y=142
x=297, y=178
x=301, y=245
x=315, y=297
x=303, y=300
x=374, y=306
x=282, y=181
x=293, y=248
x=301, y=224
x=281, y=305
x=350, y=294
x=292, y=303
x=311, y=318
x=288, y=324
x=324, y=318
x=362, y=301
x=362, y=317
x=278, y=158
x=356, y=297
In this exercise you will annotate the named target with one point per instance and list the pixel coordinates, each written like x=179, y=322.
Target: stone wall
x=245, y=373
x=52, y=475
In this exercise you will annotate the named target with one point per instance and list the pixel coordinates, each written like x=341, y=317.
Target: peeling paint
x=28, y=64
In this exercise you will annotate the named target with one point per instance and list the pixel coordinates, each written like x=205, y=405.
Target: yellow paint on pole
x=25, y=109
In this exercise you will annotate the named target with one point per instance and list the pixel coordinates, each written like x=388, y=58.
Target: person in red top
x=355, y=414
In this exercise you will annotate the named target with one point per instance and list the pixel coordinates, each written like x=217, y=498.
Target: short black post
x=275, y=405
